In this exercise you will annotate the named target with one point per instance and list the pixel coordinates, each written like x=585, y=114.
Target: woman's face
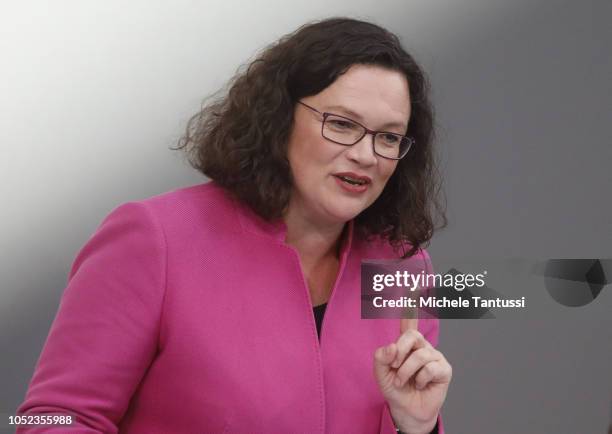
x=377, y=98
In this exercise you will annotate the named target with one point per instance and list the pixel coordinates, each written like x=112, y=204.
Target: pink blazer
x=187, y=313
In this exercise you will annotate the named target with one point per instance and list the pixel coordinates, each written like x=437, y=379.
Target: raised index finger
x=409, y=323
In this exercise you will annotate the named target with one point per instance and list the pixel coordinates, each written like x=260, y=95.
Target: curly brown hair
x=240, y=139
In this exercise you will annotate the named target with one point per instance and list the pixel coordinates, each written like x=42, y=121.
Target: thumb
x=383, y=357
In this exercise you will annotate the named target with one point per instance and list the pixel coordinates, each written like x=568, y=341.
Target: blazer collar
x=276, y=230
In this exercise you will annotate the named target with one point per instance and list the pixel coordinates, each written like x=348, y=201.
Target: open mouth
x=352, y=181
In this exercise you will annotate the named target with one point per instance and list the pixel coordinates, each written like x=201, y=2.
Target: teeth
x=352, y=180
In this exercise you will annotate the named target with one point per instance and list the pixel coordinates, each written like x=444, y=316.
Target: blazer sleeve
x=105, y=333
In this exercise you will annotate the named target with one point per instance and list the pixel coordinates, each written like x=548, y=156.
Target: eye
x=389, y=139
x=341, y=124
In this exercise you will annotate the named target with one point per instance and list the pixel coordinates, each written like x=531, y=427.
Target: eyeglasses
x=347, y=132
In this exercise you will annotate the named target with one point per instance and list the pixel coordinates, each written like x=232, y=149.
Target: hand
x=413, y=377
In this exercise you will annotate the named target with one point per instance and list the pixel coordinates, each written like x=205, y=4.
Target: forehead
x=375, y=94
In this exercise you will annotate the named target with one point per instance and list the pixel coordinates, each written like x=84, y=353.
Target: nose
x=362, y=152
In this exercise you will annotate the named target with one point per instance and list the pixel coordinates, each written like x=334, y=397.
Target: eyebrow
x=350, y=113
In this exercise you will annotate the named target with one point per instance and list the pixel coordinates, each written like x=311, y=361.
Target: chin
x=344, y=213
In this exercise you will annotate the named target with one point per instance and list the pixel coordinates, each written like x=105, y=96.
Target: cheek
x=387, y=169
x=297, y=146
x=314, y=158
x=298, y=160
x=305, y=168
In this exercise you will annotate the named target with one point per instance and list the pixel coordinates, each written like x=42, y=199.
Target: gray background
x=94, y=93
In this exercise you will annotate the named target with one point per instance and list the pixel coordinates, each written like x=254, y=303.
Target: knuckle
x=378, y=355
x=405, y=342
x=410, y=337
x=402, y=375
x=420, y=356
x=430, y=369
x=415, y=333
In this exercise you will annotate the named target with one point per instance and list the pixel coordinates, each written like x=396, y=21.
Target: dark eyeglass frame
x=366, y=130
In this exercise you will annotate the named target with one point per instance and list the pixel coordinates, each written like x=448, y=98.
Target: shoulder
x=194, y=198
x=178, y=215
x=201, y=205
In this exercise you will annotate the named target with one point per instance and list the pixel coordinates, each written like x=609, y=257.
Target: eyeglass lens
x=343, y=131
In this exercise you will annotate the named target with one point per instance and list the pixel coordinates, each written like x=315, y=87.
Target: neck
x=314, y=241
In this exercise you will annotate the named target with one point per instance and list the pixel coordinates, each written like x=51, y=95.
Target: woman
x=192, y=311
